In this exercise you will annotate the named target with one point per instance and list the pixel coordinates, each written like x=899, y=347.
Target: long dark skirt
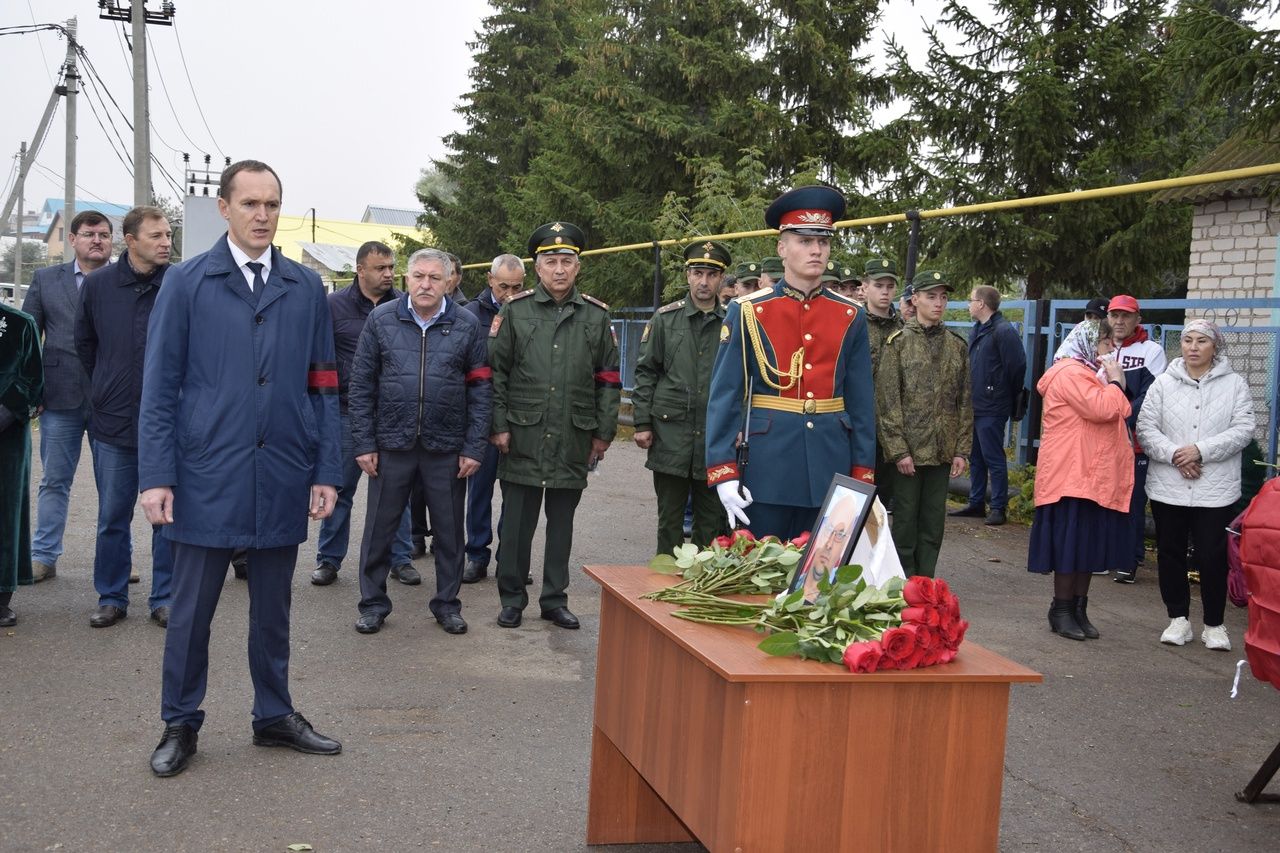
x=1078, y=535
x=15, y=507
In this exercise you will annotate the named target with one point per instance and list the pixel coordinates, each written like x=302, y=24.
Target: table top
x=731, y=650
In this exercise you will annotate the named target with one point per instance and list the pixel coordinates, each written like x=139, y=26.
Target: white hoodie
x=1215, y=414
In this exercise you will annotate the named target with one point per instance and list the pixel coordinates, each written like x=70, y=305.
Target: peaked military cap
x=929, y=280
x=556, y=238
x=849, y=274
x=772, y=267
x=748, y=271
x=881, y=268
x=708, y=254
x=831, y=274
x=806, y=210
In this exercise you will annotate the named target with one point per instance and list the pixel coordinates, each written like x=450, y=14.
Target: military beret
x=772, y=267
x=556, y=238
x=708, y=254
x=748, y=271
x=831, y=274
x=929, y=280
x=881, y=268
x=807, y=210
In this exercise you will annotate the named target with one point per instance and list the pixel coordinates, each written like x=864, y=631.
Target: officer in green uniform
x=555, y=410
x=770, y=271
x=673, y=380
x=880, y=284
x=748, y=278
x=925, y=421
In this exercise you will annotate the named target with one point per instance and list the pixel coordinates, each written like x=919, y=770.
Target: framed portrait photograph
x=831, y=542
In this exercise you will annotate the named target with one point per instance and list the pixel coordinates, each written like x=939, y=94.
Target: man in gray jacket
x=419, y=404
x=54, y=300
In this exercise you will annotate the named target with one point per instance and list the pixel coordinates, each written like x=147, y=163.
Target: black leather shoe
x=510, y=617
x=406, y=574
x=996, y=518
x=969, y=512
x=324, y=574
x=160, y=616
x=174, y=750
x=562, y=617
x=474, y=572
x=419, y=548
x=370, y=623
x=7, y=617
x=106, y=615
x=296, y=733
x=453, y=623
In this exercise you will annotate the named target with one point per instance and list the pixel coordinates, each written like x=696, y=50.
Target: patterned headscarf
x=1210, y=331
x=1082, y=343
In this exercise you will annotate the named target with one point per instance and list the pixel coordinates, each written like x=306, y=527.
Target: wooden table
x=698, y=735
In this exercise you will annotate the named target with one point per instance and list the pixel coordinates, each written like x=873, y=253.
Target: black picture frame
x=840, y=521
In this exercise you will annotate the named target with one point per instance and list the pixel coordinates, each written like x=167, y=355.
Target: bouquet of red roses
x=930, y=631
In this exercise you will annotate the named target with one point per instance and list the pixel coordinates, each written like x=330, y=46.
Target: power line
x=194, y=97
x=165, y=88
x=40, y=44
x=63, y=180
x=94, y=86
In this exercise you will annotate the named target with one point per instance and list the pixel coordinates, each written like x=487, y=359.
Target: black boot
x=1082, y=617
x=1062, y=619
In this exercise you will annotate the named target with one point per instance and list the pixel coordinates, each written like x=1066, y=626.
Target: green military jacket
x=923, y=409
x=556, y=385
x=673, y=380
x=878, y=331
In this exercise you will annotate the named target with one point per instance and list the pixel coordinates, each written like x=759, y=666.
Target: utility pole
x=139, y=17
x=17, y=241
x=69, y=170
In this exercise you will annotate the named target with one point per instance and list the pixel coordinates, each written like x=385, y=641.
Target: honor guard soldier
x=673, y=380
x=556, y=387
x=925, y=421
x=792, y=382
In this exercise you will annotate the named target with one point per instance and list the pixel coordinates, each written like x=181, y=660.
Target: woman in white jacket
x=1197, y=417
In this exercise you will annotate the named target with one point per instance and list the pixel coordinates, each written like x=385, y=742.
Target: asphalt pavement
x=482, y=741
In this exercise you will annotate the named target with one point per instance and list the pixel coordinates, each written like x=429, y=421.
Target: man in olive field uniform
x=880, y=282
x=925, y=421
x=748, y=278
x=673, y=380
x=770, y=271
x=556, y=387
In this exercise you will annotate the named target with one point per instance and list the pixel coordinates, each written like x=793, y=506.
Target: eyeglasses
x=104, y=236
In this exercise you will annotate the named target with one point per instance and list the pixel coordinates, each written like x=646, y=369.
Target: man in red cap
x=1142, y=360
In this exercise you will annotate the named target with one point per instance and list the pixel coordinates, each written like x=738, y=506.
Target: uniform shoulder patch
x=495, y=325
x=890, y=339
x=674, y=306
x=841, y=298
x=522, y=295
x=596, y=302
x=764, y=291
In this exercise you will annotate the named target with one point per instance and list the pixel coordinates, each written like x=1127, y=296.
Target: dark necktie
x=258, y=283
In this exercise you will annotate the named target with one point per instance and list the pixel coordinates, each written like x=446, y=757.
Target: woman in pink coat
x=1084, y=475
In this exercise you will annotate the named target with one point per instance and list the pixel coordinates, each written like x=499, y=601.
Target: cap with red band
x=812, y=211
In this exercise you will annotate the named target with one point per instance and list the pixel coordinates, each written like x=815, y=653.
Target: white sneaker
x=1215, y=637
x=1179, y=632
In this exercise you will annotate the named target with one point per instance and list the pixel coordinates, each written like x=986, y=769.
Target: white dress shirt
x=242, y=260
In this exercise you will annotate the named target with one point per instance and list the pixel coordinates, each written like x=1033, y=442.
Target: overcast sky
x=347, y=100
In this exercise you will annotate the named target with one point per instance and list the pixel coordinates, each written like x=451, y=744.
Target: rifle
x=744, y=450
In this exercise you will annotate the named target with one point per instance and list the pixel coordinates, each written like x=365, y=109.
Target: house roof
x=391, y=216
x=56, y=205
x=336, y=258
x=292, y=231
x=1238, y=152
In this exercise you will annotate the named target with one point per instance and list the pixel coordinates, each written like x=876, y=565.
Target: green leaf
x=688, y=549
x=788, y=558
x=664, y=564
x=781, y=644
x=848, y=574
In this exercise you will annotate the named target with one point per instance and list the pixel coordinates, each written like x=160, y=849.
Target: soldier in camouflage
x=673, y=380
x=555, y=410
x=880, y=283
x=925, y=421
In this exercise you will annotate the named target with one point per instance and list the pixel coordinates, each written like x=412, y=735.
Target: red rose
x=933, y=655
x=947, y=656
x=927, y=638
x=723, y=541
x=942, y=588
x=919, y=591
x=898, y=643
x=915, y=661
x=863, y=657
x=921, y=616
x=801, y=540
x=744, y=533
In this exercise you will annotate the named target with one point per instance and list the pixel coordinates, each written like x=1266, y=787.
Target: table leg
x=621, y=807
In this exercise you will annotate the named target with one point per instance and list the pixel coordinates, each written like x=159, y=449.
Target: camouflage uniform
x=923, y=411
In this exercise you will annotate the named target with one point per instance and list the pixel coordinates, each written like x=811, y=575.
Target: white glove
x=734, y=503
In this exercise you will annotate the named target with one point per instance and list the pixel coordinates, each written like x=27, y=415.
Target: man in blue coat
x=797, y=355
x=238, y=442
x=997, y=368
